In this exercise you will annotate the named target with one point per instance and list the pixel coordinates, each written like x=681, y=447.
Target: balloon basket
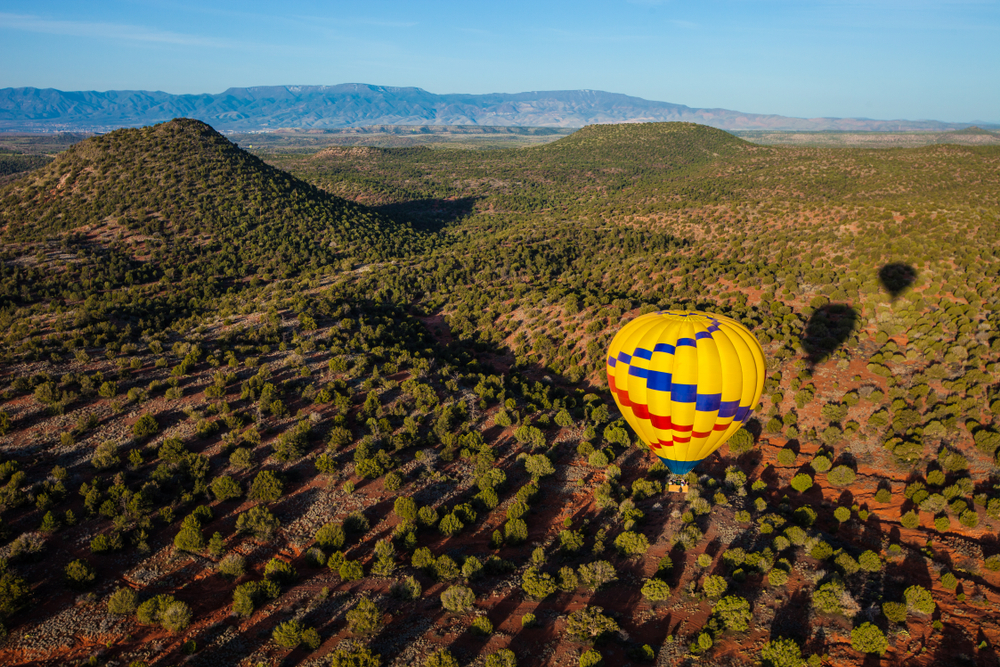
x=677, y=484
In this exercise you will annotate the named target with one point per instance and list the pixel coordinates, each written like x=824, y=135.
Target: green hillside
x=280, y=409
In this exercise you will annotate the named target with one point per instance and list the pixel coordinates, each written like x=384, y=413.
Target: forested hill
x=175, y=204
x=182, y=179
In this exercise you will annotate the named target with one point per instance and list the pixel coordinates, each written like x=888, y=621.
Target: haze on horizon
x=884, y=59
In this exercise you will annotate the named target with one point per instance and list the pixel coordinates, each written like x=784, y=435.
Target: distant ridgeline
x=355, y=105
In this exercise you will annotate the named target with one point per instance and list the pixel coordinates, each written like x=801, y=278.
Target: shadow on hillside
x=429, y=215
x=827, y=330
x=896, y=278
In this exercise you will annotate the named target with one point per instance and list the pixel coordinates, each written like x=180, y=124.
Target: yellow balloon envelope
x=685, y=381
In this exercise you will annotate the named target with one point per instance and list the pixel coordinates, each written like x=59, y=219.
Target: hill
x=413, y=450
x=358, y=105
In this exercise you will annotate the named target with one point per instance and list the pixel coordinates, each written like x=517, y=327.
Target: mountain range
x=356, y=105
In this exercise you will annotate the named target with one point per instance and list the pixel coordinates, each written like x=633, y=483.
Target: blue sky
x=885, y=59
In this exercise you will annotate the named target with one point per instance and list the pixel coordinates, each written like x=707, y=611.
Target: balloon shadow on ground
x=828, y=329
x=896, y=278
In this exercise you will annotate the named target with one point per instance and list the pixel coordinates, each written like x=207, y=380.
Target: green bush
x=226, y=488
x=590, y=624
x=80, y=574
x=233, y=566
x=781, y=653
x=351, y=654
x=502, y=658
x=123, y=602
x=482, y=626
x=919, y=600
x=841, y=476
x=895, y=611
x=288, y=634
x=440, y=658
x=868, y=638
x=655, y=590
x=802, y=482
x=741, y=442
x=259, y=522
x=458, y=599
x=591, y=658
x=330, y=535
x=266, y=487
x=364, y=618
x=537, y=585
x=733, y=612
x=631, y=544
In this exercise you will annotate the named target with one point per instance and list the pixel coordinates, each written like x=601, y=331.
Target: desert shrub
x=288, y=634
x=279, y=570
x=79, y=574
x=105, y=455
x=802, y=482
x=631, y=544
x=537, y=585
x=189, y=537
x=445, y=568
x=259, y=522
x=247, y=595
x=165, y=611
x=350, y=570
x=233, y=565
x=356, y=522
x=351, y=654
x=590, y=624
x=840, y=476
x=786, y=457
x=266, y=487
x=949, y=581
x=870, y=561
x=106, y=542
x=781, y=653
x=714, y=586
x=655, y=590
x=330, y=535
x=591, y=658
x=225, y=488
x=883, y=495
x=741, y=442
x=458, y=599
x=407, y=589
x=145, y=426
x=821, y=463
x=472, y=568
x=842, y=514
x=450, y=524
x=515, y=531
x=482, y=626
x=597, y=574
x=123, y=602
x=364, y=618
x=502, y=658
x=777, y=577
x=868, y=638
x=895, y=611
x=570, y=541
x=827, y=598
x=440, y=658
x=992, y=563
x=405, y=508
x=176, y=617
x=733, y=612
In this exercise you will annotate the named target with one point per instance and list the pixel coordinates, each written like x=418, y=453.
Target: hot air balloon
x=685, y=381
